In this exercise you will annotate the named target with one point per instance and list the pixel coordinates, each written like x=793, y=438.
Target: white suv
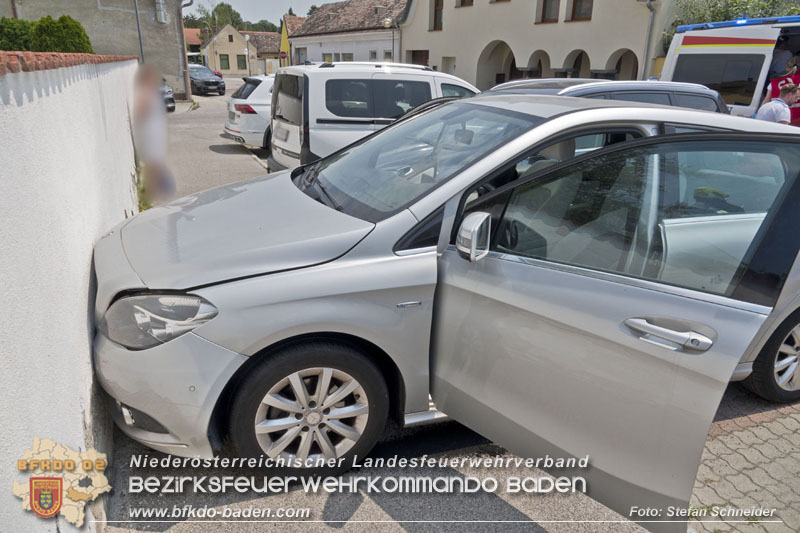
x=248, y=112
x=321, y=108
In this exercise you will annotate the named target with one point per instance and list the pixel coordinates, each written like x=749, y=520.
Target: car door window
x=694, y=101
x=349, y=98
x=457, y=91
x=680, y=213
x=394, y=97
x=552, y=154
x=649, y=97
x=734, y=76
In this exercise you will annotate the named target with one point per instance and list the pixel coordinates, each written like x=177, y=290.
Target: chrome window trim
x=415, y=251
x=633, y=282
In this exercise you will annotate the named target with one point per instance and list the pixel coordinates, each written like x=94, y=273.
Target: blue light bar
x=739, y=22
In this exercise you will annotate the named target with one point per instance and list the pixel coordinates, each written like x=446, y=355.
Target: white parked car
x=321, y=108
x=249, y=112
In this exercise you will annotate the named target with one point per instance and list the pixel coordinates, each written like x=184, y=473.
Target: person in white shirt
x=777, y=110
x=150, y=136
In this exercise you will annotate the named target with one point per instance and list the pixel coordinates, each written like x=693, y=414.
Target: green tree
x=15, y=34
x=697, y=11
x=191, y=20
x=63, y=35
x=212, y=17
x=311, y=9
x=291, y=12
x=261, y=25
x=225, y=14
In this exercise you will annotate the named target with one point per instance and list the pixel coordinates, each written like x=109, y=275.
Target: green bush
x=15, y=34
x=63, y=35
x=44, y=35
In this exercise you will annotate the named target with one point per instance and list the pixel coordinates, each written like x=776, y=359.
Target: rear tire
x=344, y=420
x=267, y=140
x=776, y=370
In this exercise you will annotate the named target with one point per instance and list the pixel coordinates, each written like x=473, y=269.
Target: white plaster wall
x=469, y=31
x=358, y=44
x=66, y=177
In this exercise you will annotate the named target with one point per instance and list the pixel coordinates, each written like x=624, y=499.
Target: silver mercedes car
x=565, y=276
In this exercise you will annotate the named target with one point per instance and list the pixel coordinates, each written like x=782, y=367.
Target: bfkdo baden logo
x=62, y=480
x=46, y=495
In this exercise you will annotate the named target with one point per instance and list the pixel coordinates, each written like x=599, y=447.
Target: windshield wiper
x=324, y=191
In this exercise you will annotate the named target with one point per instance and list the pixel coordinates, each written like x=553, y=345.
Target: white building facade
x=486, y=42
x=357, y=46
x=352, y=30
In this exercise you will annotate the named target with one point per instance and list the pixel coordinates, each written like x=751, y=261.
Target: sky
x=255, y=10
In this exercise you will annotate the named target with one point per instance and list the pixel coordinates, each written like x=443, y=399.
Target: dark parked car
x=168, y=94
x=204, y=81
x=690, y=95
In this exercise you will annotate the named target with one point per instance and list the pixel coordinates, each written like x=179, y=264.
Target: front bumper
x=176, y=385
x=206, y=89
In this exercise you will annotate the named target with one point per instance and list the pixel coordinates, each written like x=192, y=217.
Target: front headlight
x=140, y=322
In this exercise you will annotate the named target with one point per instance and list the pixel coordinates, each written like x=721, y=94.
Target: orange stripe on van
x=690, y=40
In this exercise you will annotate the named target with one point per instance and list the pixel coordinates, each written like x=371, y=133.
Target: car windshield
x=389, y=171
x=202, y=71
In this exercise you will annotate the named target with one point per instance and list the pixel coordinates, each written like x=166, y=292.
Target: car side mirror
x=474, y=236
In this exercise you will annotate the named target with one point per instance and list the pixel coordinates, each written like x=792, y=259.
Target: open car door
x=601, y=306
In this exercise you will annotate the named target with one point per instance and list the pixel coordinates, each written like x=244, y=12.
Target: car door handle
x=690, y=340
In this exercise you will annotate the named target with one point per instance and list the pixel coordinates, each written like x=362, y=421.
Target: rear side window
x=247, y=89
x=694, y=101
x=349, y=98
x=287, y=99
x=394, y=97
x=734, y=76
x=374, y=98
x=644, y=97
x=450, y=90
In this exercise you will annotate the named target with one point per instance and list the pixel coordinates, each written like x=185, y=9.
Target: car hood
x=243, y=229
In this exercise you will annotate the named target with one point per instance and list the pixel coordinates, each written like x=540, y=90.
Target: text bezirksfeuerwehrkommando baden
x=415, y=484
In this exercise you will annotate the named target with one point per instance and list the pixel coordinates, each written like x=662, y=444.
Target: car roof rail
x=377, y=65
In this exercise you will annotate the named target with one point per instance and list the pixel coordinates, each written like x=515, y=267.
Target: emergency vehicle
x=735, y=58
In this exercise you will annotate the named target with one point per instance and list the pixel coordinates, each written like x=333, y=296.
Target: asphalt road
x=751, y=457
x=199, y=157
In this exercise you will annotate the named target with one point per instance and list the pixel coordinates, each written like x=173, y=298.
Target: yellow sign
x=62, y=480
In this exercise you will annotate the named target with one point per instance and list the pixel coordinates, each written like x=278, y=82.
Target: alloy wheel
x=787, y=362
x=312, y=413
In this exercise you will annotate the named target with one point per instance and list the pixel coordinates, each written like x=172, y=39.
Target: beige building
x=235, y=53
x=227, y=51
x=267, y=45
x=112, y=29
x=486, y=42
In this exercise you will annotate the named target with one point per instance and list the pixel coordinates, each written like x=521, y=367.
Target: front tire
x=310, y=402
x=776, y=370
